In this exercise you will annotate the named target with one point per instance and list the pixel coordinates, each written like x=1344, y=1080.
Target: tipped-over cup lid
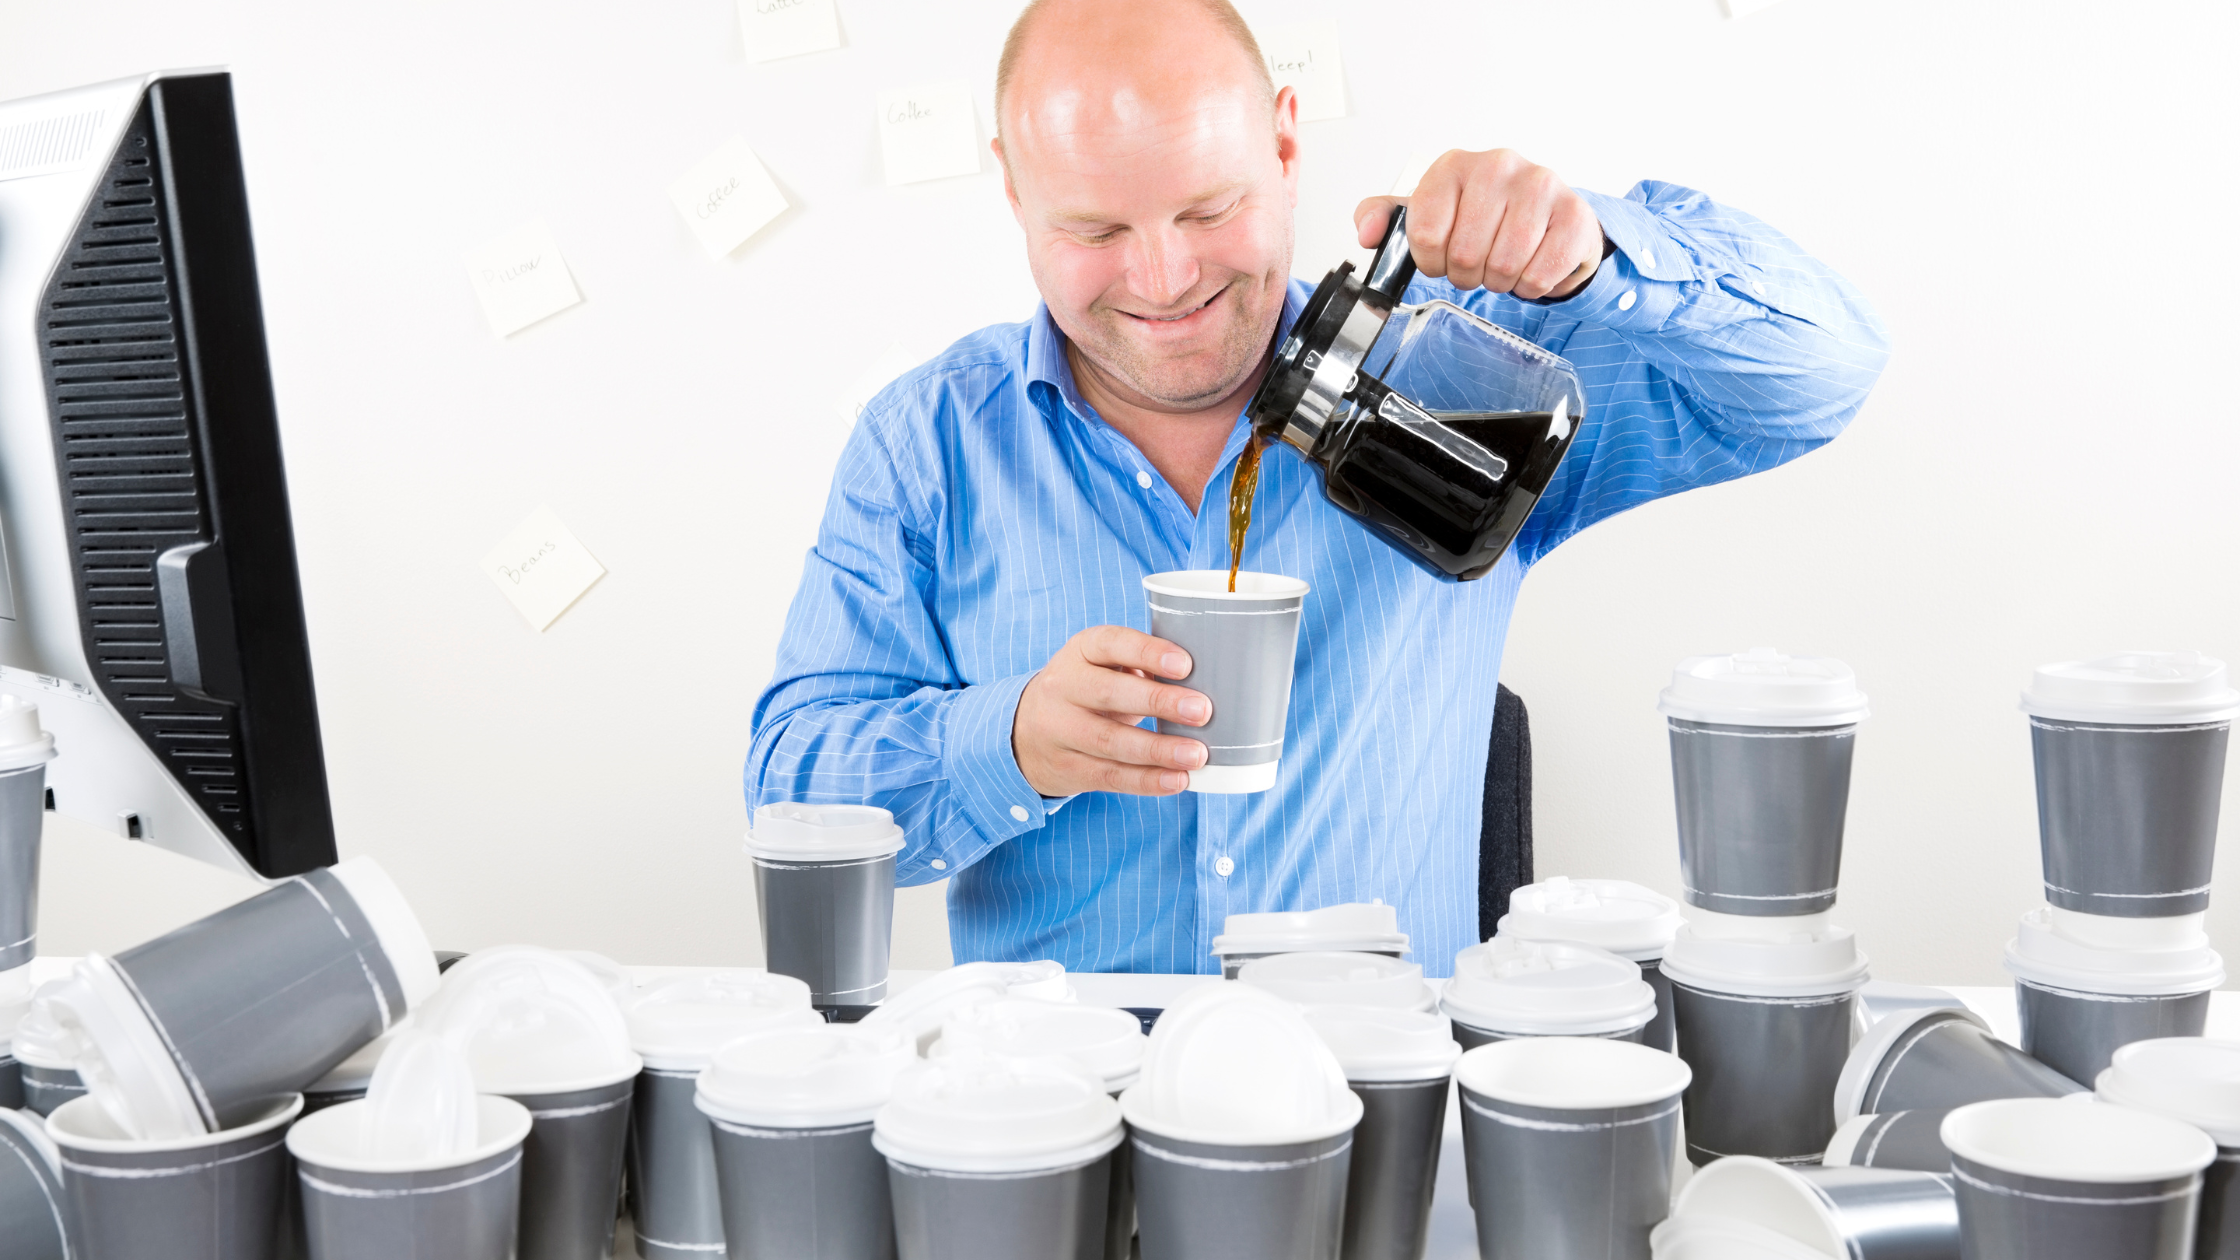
x=1763, y=687
x=1319, y=978
x=619, y=983
x=354, y=1075
x=1572, y=1073
x=23, y=743
x=1379, y=1043
x=1746, y=1208
x=795, y=832
x=39, y=1040
x=973, y=1114
x=2194, y=1079
x=678, y=1022
x=2076, y=1139
x=923, y=1006
x=806, y=1077
x=2089, y=953
x=1372, y=928
x=1804, y=957
x=1233, y=1065
x=1546, y=989
x=103, y=1032
x=1614, y=914
x=420, y=1107
x=531, y=1022
x=1105, y=1040
x=2134, y=689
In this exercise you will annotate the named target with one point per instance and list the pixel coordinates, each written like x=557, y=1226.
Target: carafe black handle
x=1394, y=266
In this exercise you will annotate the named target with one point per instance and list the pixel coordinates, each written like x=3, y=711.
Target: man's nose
x=1163, y=268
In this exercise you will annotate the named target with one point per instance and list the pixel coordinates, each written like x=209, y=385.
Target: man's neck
x=1185, y=446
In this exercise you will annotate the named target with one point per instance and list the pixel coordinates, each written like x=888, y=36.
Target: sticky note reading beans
x=1305, y=58
x=787, y=28
x=542, y=568
x=520, y=278
x=727, y=198
x=928, y=132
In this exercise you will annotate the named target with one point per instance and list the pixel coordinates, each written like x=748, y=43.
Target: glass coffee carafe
x=1435, y=428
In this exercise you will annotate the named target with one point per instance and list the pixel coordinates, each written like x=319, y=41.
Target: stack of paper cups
x=2198, y=1081
x=1630, y=921
x=1509, y=988
x=2129, y=752
x=1355, y=929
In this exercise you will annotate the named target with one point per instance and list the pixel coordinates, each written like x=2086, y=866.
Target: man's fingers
x=1110, y=691
x=1481, y=212
x=1108, y=739
x=1431, y=215
x=1118, y=647
x=1372, y=217
x=1107, y=776
x=1567, y=254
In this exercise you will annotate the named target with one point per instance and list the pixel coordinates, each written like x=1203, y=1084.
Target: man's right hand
x=1075, y=730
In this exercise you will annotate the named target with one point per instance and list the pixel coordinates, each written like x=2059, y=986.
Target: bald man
x=967, y=647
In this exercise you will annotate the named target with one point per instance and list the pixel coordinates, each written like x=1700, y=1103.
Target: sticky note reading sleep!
x=521, y=278
x=787, y=28
x=1305, y=58
x=542, y=568
x=727, y=198
x=928, y=132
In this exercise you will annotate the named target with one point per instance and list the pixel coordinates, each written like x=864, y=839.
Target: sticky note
x=787, y=28
x=928, y=132
x=1305, y=58
x=542, y=568
x=1411, y=173
x=521, y=278
x=883, y=368
x=1744, y=8
x=727, y=198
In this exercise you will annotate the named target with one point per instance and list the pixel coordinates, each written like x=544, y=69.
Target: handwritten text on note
x=928, y=132
x=520, y=278
x=542, y=568
x=787, y=28
x=726, y=198
x=1305, y=58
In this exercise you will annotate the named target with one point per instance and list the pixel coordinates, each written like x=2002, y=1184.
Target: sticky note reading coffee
x=727, y=198
x=928, y=132
x=542, y=568
x=520, y=278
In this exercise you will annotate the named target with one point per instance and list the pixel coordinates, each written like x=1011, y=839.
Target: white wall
x=2034, y=193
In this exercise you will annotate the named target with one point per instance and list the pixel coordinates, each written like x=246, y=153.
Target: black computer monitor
x=148, y=595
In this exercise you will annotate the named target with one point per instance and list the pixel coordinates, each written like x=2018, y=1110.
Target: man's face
x=1158, y=227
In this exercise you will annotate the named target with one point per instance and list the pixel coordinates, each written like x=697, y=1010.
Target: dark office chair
x=1505, y=834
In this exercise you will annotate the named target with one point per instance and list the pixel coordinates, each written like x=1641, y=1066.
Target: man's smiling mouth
x=1169, y=319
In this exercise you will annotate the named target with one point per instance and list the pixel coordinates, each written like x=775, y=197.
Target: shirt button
x=940, y=865
x=1143, y=479
x=1626, y=303
x=1224, y=867
x=1019, y=812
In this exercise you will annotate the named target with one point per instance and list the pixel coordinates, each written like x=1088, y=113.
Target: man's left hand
x=1494, y=221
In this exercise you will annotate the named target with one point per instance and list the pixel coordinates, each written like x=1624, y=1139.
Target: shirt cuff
x=980, y=767
x=1636, y=288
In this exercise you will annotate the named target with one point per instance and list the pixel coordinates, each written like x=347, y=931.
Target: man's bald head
x=1110, y=30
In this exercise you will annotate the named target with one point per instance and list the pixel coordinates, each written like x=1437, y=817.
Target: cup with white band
x=2195, y=1080
x=1242, y=1132
x=676, y=1026
x=1242, y=644
x=1938, y=1058
x=2041, y=1179
x=34, y=1210
x=1399, y=1063
x=1761, y=774
x=1910, y=1140
x=1764, y=1017
x=1746, y=1208
x=1569, y=1144
x=1509, y=987
x=824, y=896
x=2130, y=752
x=207, y=1196
x=2086, y=984
x=1631, y=921
x=792, y=1113
x=25, y=750
x=1355, y=928
x=1340, y=979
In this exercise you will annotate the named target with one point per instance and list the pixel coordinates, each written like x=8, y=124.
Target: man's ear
x=1287, y=138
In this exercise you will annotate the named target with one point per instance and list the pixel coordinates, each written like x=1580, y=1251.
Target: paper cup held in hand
x=1241, y=647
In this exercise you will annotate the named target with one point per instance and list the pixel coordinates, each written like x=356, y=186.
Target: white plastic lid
x=419, y=1111
x=2101, y=954
x=620, y=984
x=2134, y=689
x=355, y=1073
x=1238, y=1066
x=922, y=1007
x=806, y=1077
x=1762, y=687
x=2194, y=1079
x=22, y=742
x=1572, y=1073
x=1317, y=978
x=1869, y=1051
x=1378, y=1043
x=335, y=1138
x=32, y=1132
x=971, y=1114
x=794, y=832
x=1801, y=957
x=531, y=1022
x=1614, y=914
x=1546, y=989
x=678, y=1022
x=1373, y=928
x=1759, y=1207
x=1105, y=1040
x=2076, y=1139
x=128, y=1072
x=40, y=1040
x=394, y=925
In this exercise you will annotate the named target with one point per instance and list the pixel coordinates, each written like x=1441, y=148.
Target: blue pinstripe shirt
x=982, y=514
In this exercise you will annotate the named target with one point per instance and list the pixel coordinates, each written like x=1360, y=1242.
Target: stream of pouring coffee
x=1242, y=483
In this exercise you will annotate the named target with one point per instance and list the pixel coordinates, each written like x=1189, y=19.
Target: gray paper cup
x=828, y=924
x=1471, y=1038
x=1205, y=1201
x=1939, y=1059
x=672, y=1165
x=2046, y=1180
x=1765, y=1070
x=1394, y=1166
x=1901, y=1140
x=1569, y=1145
x=1042, y=1215
x=45, y=1088
x=1241, y=647
x=34, y=1211
x=11, y=1082
x=2217, y=1236
x=464, y=1208
x=22, y=802
x=2127, y=815
x=803, y=1194
x=2077, y=1034
x=571, y=1171
x=212, y=1197
x=1854, y=1213
x=1761, y=814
